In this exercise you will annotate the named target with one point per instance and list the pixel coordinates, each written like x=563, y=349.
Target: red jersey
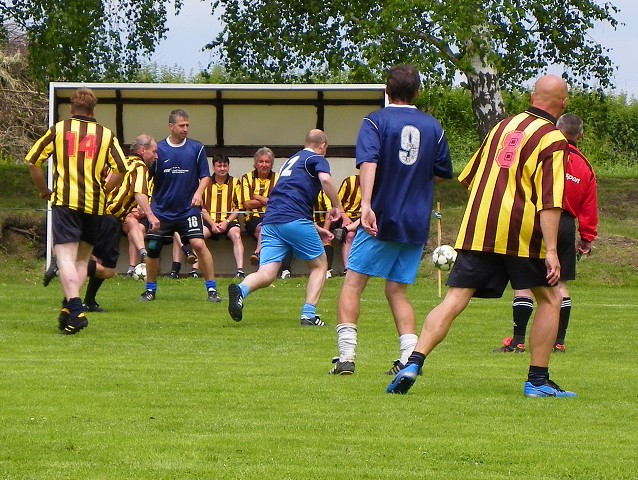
x=580, y=193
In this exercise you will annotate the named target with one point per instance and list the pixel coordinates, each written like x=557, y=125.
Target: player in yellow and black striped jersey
x=509, y=232
x=220, y=209
x=255, y=189
x=82, y=152
x=132, y=193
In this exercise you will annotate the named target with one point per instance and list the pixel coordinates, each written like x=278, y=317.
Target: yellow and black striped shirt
x=220, y=200
x=350, y=196
x=517, y=171
x=251, y=184
x=322, y=205
x=121, y=200
x=83, y=153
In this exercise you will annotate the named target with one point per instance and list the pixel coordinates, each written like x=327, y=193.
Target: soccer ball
x=139, y=272
x=444, y=257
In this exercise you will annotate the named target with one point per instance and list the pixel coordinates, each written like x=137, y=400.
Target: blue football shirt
x=410, y=149
x=176, y=174
x=296, y=191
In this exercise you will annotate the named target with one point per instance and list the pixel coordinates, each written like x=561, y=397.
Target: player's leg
x=156, y=241
x=522, y=308
x=563, y=321
x=104, y=261
x=234, y=234
x=191, y=230
x=531, y=273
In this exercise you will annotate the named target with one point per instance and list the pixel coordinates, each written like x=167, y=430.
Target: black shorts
x=567, y=247
x=252, y=224
x=71, y=226
x=489, y=273
x=107, y=248
x=214, y=236
x=187, y=228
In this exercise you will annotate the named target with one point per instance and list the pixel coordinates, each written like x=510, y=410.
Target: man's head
x=403, y=84
x=572, y=127
x=83, y=102
x=550, y=94
x=178, y=124
x=220, y=165
x=264, y=160
x=317, y=141
x=146, y=147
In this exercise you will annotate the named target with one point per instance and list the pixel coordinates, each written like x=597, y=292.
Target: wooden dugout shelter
x=234, y=119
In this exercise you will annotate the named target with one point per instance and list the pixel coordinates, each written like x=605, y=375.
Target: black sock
x=75, y=306
x=90, y=271
x=91, y=290
x=176, y=267
x=522, y=308
x=565, y=312
x=416, y=357
x=330, y=254
x=538, y=375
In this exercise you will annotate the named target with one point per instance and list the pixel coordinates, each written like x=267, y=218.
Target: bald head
x=550, y=94
x=315, y=137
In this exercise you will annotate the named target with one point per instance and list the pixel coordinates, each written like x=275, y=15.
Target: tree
x=86, y=40
x=493, y=43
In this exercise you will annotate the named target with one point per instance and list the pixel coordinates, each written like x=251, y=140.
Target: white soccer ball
x=444, y=257
x=139, y=273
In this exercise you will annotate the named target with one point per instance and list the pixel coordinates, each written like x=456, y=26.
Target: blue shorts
x=300, y=237
x=394, y=261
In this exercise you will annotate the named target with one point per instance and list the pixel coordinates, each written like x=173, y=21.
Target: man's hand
x=553, y=268
x=153, y=222
x=369, y=221
x=46, y=194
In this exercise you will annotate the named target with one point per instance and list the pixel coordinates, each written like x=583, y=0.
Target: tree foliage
x=86, y=40
x=490, y=42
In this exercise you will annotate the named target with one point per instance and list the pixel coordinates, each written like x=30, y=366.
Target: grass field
x=176, y=390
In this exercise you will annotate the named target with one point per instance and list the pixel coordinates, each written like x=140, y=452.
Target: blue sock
x=152, y=286
x=211, y=284
x=243, y=289
x=308, y=310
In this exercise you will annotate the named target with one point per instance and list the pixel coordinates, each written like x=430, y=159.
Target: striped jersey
x=121, y=200
x=350, y=196
x=518, y=171
x=220, y=200
x=251, y=184
x=322, y=205
x=83, y=153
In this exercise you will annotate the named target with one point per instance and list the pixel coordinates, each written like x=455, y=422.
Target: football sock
x=416, y=357
x=210, y=284
x=565, y=312
x=538, y=375
x=91, y=290
x=90, y=270
x=522, y=308
x=330, y=254
x=75, y=306
x=243, y=288
x=309, y=310
x=152, y=286
x=176, y=267
x=407, y=342
x=346, y=341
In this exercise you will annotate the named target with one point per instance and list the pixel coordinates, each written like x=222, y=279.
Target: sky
x=196, y=26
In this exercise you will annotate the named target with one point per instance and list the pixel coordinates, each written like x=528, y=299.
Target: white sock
x=407, y=343
x=346, y=341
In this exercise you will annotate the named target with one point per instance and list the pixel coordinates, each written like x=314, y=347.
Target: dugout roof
x=234, y=119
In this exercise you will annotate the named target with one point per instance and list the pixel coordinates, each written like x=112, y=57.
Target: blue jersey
x=410, y=149
x=176, y=174
x=296, y=191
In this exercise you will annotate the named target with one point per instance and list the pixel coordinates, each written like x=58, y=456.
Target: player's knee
x=154, y=249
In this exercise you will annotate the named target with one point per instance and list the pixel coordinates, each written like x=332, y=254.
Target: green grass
x=176, y=390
